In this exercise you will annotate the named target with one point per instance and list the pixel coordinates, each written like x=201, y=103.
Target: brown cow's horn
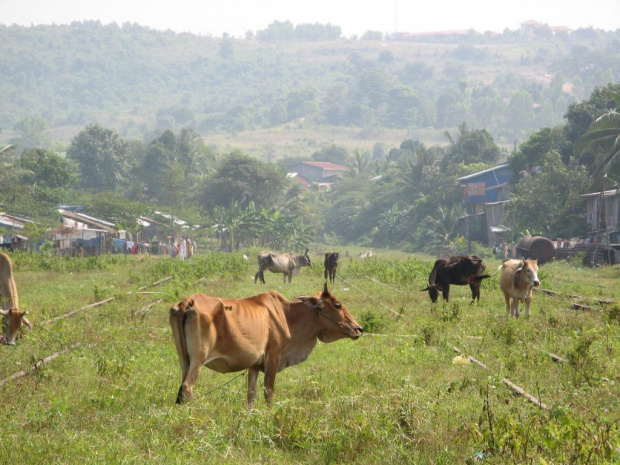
x=325, y=290
x=425, y=289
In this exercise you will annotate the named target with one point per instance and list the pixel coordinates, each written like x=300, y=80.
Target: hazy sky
x=235, y=17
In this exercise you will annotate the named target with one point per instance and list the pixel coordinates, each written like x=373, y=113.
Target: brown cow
x=12, y=317
x=265, y=332
x=331, y=265
x=516, y=281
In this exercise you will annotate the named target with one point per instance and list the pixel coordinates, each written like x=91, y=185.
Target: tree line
x=407, y=196
x=141, y=80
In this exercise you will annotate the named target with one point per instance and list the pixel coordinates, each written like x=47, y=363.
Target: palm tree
x=235, y=223
x=11, y=174
x=360, y=162
x=603, y=141
x=440, y=228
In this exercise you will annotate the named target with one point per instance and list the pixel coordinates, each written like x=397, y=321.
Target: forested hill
x=135, y=80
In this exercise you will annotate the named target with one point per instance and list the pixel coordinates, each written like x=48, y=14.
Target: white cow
x=516, y=282
x=287, y=264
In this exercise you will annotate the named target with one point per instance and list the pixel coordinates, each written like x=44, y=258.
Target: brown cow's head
x=335, y=321
x=433, y=292
x=478, y=263
x=304, y=260
x=12, y=322
x=528, y=270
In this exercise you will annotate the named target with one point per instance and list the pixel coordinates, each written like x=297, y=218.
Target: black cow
x=459, y=270
x=331, y=265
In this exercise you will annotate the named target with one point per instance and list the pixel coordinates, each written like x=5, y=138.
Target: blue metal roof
x=487, y=181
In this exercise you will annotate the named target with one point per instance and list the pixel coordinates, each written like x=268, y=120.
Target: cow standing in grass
x=287, y=264
x=11, y=316
x=517, y=280
x=331, y=265
x=265, y=332
x=460, y=270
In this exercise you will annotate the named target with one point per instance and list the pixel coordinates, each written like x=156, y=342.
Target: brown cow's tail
x=433, y=276
x=178, y=317
x=473, y=279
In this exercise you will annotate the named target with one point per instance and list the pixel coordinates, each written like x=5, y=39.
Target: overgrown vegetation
x=394, y=395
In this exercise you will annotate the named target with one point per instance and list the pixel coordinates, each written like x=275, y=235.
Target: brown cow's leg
x=528, y=300
x=177, y=342
x=508, y=306
x=446, y=292
x=515, y=304
x=475, y=291
x=252, y=378
x=185, y=391
x=198, y=355
x=271, y=368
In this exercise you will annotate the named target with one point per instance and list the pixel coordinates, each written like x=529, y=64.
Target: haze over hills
x=292, y=88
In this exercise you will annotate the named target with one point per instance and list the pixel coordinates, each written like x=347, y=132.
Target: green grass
x=392, y=396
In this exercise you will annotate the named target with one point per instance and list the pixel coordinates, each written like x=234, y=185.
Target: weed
x=505, y=332
x=429, y=335
x=107, y=368
x=581, y=360
x=98, y=294
x=371, y=322
x=613, y=314
x=450, y=312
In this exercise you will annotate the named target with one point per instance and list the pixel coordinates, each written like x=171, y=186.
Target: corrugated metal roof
x=326, y=165
x=610, y=193
x=490, y=170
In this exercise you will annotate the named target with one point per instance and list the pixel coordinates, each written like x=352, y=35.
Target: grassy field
x=396, y=395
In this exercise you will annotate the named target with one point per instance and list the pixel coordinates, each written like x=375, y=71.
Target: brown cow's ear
x=311, y=302
x=189, y=303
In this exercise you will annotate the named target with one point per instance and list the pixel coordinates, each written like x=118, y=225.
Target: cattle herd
x=267, y=332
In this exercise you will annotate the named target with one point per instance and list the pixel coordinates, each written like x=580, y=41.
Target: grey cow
x=287, y=264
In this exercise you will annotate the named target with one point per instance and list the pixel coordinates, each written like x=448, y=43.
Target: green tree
x=472, y=146
x=11, y=176
x=402, y=111
x=439, y=228
x=226, y=47
x=101, y=156
x=521, y=110
x=581, y=115
x=532, y=152
x=239, y=177
x=549, y=202
x=32, y=132
x=48, y=169
x=235, y=224
x=333, y=153
x=602, y=142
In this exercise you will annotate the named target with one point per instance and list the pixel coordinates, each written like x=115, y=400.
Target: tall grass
x=392, y=396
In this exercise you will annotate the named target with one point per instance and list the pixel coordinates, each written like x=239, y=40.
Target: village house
x=323, y=173
x=486, y=197
x=602, y=214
